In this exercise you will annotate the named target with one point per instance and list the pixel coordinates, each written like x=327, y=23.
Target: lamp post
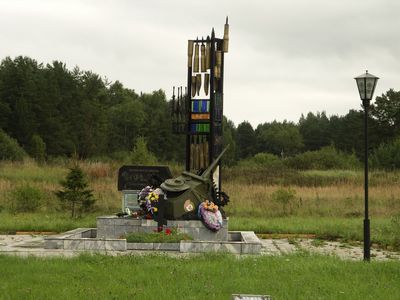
x=366, y=84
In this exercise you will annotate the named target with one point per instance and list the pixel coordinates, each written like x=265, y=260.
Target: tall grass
x=327, y=201
x=336, y=195
x=249, y=174
x=317, y=193
x=30, y=171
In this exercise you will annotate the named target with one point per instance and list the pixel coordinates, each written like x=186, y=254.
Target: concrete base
x=111, y=230
x=245, y=242
x=83, y=239
x=240, y=242
x=114, y=227
x=154, y=246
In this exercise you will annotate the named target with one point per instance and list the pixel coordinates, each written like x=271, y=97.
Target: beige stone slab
x=148, y=223
x=74, y=244
x=95, y=244
x=198, y=246
x=54, y=244
x=166, y=246
x=115, y=245
x=127, y=222
x=140, y=246
x=250, y=237
x=251, y=248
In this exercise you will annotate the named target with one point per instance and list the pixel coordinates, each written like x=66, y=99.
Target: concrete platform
x=33, y=245
x=82, y=239
x=115, y=227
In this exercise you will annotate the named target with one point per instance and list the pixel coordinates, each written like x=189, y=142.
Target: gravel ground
x=353, y=251
x=26, y=245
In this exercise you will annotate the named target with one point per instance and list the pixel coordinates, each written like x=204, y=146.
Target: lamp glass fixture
x=366, y=84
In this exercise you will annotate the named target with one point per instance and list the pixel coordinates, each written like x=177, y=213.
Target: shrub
x=141, y=155
x=120, y=156
x=37, y=148
x=323, y=159
x=25, y=199
x=10, y=149
x=395, y=230
x=387, y=156
x=265, y=160
x=284, y=197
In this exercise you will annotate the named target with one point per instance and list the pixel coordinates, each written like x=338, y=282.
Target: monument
x=192, y=202
x=198, y=114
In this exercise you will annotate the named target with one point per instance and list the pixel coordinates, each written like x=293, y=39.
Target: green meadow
x=210, y=276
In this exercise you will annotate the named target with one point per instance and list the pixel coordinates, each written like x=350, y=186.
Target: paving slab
x=284, y=246
x=269, y=248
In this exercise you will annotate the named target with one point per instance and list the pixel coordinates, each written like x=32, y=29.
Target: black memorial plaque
x=137, y=177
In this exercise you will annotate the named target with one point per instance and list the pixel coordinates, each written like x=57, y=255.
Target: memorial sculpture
x=191, y=203
x=185, y=193
x=198, y=114
x=187, y=197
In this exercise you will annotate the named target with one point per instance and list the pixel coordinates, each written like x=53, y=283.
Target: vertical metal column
x=220, y=45
x=212, y=98
x=188, y=108
x=367, y=250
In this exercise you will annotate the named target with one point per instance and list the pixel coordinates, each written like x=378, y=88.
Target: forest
x=48, y=111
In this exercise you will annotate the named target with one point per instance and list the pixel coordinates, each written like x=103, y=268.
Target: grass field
x=327, y=203
x=196, y=277
x=53, y=222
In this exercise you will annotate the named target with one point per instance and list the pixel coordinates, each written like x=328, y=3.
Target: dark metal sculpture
x=185, y=192
x=200, y=119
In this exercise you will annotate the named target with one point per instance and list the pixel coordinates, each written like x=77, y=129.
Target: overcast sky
x=285, y=57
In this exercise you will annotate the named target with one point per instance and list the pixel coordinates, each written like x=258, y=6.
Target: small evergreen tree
x=140, y=154
x=76, y=192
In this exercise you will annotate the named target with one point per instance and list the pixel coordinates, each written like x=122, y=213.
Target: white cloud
x=286, y=57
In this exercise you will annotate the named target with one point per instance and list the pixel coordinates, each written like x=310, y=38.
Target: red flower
x=168, y=231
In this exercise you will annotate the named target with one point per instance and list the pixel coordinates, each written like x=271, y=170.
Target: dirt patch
x=286, y=235
x=35, y=233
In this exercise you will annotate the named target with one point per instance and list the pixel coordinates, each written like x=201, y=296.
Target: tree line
x=52, y=111
x=317, y=130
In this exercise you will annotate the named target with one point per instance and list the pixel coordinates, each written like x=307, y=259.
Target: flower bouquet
x=148, y=201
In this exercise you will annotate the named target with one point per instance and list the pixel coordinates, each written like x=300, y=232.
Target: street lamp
x=366, y=84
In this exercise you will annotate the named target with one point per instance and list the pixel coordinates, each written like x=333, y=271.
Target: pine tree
x=76, y=192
